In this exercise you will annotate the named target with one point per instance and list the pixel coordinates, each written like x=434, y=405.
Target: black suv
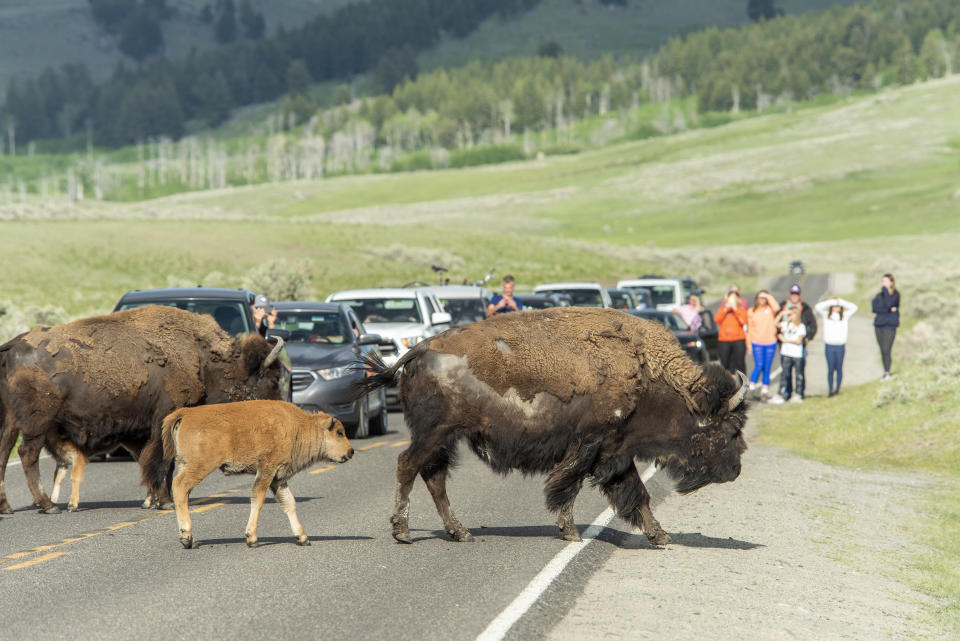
x=232, y=309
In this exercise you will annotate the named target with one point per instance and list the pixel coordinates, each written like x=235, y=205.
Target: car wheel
x=378, y=426
x=362, y=429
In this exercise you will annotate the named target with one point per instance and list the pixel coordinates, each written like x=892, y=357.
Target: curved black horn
x=274, y=353
x=737, y=398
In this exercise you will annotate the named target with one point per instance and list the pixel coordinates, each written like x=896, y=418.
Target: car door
x=709, y=333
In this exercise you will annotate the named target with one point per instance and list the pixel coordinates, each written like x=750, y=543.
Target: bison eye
x=340, y=433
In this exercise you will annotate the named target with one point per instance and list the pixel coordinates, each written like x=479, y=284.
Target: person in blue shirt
x=886, y=305
x=500, y=304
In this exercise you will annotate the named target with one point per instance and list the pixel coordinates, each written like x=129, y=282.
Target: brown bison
x=572, y=393
x=109, y=380
x=271, y=439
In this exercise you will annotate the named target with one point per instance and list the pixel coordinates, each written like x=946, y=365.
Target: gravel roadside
x=793, y=549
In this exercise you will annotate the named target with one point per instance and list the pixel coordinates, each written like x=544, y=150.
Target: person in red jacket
x=731, y=318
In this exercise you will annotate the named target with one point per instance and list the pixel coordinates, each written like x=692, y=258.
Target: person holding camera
x=886, y=306
x=500, y=304
x=264, y=314
x=731, y=319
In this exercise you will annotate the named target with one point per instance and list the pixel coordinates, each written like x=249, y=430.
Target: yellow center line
x=204, y=508
x=322, y=469
x=39, y=559
x=400, y=444
x=117, y=526
x=371, y=446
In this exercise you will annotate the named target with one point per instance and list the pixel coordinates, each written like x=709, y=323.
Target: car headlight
x=696, y=343
x=334, y=372
x=410, y=341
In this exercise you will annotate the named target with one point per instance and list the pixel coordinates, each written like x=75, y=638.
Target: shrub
x=16, y=320
x=489, y=155
x=280, y=280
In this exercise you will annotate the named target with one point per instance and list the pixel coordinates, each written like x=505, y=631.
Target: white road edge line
x=17, y=462
x=499, y=627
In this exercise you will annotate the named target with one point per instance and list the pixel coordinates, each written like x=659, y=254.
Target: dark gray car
x=326, y=343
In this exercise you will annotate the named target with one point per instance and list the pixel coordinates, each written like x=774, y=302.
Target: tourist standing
x=836, y=314
x=809, y=320
x=731, y=319
x=792, y=334
x=762, y=338
x=886, y=306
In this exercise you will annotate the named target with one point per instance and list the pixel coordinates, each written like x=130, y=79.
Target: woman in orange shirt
x=762, y=336
x=731, y=319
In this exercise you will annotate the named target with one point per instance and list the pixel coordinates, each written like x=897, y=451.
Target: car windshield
x=582, y=297
x=536, y=303
x=230, y=315
x=663, y=294
x=312, y=327
x=465, y=310
x=385, y=310
x=672, y=321
x=620, y=301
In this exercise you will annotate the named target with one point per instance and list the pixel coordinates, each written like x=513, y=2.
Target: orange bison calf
x=272, y=439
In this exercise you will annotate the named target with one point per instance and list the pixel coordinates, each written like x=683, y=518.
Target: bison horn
x=737, y=398
x=274, y=353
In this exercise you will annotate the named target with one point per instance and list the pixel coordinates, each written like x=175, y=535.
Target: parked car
x=709, y=334
x=465, y=303
x=231, y=308
x=642, y=296
x=797, y=268
x=690, y=286
x=666, y=293
x=327, y=342
x=622, y=299
x=543, y=301
x=403, y=316
x=582, y=294
x=689, y=340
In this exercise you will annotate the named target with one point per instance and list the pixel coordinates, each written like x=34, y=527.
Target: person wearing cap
x=809, y=320
x=731, y=319
x=264, y=314
x=836, y=314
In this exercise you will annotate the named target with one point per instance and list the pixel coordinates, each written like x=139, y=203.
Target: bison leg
x=435, y=477
x=257, y=497
x=406, y=475
x=58, y=475
x=627, y=494
x=76, y=478
x=29, y=455
x=8, y=436
x=289, y=506
x=186, y=479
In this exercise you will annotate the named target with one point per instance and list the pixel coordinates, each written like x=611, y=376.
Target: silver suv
x=403, y=316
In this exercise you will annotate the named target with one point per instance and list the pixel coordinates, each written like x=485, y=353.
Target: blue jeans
x=762, y=362
x=835, y=355
x=792, y=366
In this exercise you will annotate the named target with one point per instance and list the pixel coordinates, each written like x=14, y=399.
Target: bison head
x=712, y=452
x=256, y=372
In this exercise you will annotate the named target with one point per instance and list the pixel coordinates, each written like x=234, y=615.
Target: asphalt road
x=114, y=571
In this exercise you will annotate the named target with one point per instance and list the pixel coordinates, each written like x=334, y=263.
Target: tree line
x=158, y=97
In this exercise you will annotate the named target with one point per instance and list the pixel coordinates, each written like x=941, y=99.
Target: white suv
x=666, y=293
x=582, y=294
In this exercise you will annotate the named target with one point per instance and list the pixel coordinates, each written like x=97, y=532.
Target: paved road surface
x=114, y=571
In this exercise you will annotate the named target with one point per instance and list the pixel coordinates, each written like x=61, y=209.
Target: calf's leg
x=289, y=506
x=257, y=497
x=188, y=477
x=627, y=494
x=435, y=476
x=76, y=478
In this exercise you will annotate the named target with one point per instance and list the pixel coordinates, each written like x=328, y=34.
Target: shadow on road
x=280, y=540
x=631, y=541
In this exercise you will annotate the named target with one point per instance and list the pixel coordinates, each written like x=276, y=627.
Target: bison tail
x=378, y=374
x=156, y=460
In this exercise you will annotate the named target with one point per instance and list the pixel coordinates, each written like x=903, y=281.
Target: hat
x=261, y=300
x=795, y=289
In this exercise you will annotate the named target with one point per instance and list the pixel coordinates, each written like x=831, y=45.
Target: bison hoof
x=73, y=508
x=53, y=509
x=402, y=536
x=461, y=536
x=658, y=538
x=188, y=542
x=573, y=537
x=165, y=506
x=5, y=508
x=304, y=541
x=252, y=544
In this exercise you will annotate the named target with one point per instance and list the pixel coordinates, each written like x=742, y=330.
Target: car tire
x=362, y=428
x=378, y=426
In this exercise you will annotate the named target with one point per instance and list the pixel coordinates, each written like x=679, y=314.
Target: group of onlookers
x=790, y=325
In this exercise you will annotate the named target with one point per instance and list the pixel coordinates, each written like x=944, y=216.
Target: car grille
x=302, y=379
x=388, y=349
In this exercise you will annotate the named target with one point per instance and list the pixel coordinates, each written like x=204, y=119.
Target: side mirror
x=369, y=339
x=274, y=334
x=440, y=318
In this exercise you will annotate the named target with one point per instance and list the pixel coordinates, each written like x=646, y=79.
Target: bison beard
x=576, y=394
x=107, y=380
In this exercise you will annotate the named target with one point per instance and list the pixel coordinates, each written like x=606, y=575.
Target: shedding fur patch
x=604, y=354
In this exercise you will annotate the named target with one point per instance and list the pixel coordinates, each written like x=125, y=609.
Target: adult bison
x=107, y=380
x=573, y=393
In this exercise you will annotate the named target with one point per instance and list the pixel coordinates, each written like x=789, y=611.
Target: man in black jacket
x=809, y=321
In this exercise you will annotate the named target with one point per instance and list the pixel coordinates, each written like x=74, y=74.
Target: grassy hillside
x=49, y=33
x=588, y=29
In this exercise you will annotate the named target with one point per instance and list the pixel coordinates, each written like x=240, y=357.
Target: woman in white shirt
x=836, y=314
x=791, y=334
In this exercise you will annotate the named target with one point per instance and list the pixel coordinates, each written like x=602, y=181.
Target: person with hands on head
x=500, y=304
x=731, y=319
x=886, y=306
x=264, y=314
x=836, y=314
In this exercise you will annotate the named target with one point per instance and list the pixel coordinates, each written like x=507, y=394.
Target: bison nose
x=350, y=454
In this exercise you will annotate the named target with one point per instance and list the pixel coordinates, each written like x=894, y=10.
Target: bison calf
x=272, y=439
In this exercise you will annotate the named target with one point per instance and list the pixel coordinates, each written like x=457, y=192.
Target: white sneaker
x=765, y=392
x=796, y=398
x=752, y=387
x=777, y=400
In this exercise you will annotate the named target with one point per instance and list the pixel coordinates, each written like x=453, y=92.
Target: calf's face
x=337, y=447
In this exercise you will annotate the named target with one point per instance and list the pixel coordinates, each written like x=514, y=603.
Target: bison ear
x=327, y=422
